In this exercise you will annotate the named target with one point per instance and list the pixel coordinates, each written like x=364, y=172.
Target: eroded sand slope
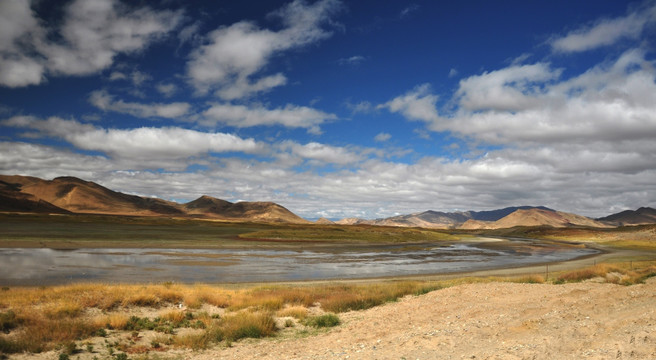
x=484, y=321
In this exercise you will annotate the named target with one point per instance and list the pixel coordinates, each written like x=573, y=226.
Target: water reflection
x=47, y=266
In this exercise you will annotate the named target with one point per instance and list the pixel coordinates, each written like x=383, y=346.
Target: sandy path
x=483, y=321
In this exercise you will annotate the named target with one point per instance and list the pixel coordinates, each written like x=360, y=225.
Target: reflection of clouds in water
x=43, y=266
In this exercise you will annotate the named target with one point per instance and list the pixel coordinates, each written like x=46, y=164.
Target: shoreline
x=544, y=269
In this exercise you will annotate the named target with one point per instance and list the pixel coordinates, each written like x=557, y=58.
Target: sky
x=334, y=108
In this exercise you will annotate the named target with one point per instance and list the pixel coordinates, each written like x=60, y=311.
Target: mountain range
x=66, y=195
x=494, y=219
x=70, y=195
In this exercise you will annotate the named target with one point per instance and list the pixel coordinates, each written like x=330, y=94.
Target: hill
x=73, y=195
x=535, y=217
x=445, y=220
x=207, y=206
x=642, y=216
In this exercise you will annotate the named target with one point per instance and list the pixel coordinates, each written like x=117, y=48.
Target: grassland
x=106, y=320
x=640, y=237
x=101, y=320
x=97, y=231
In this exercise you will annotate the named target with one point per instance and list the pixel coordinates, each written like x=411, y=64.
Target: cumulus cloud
x=417, y=104
x=607, y=31
x=613, y=101
x=90, y=36
x=106, y=102
x=232, y=56
x=321, y=152
x=509, y=89
x=167, y=89
x=382, y=137
x=140, y=143
x=291, y=116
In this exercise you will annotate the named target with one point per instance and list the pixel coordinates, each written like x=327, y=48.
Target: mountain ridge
x=71, y=195
x=641, y=216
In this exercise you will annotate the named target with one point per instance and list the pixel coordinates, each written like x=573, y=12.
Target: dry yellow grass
x=620, y=273
x=111, y=321
x=175, y=316
x=298, y=312
x=39, y=319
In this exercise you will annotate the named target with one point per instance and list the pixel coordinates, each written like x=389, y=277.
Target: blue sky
x=337, y=108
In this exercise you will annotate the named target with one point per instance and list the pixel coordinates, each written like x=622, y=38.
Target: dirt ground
x=483, y=321
x=588, y=320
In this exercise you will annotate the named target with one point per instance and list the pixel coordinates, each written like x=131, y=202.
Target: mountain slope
x=447, y=220
x=644, y=215
x=255, y=211
x=535, y=217
x=73, y=195
x=81, y=196
x=12, y=200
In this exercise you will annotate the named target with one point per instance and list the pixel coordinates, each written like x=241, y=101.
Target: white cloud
x=233, y=55
x=49, y=162
x=417, y=104
x=453, y=72
x=353, y=60
x=104, y=101
x=382, y=137
x=610, y=102
x=321, y=152
x=139, y=143
x=18, y=26
x=291, y=116
x=509, y=89
x=91, y=34
x=607, y=31
x=167, y=89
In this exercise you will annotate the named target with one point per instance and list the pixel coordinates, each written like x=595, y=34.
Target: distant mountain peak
x=644, y=215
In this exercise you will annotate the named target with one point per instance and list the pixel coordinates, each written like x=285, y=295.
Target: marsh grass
x=619, y=273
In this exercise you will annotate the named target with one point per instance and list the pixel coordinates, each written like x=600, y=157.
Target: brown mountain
x=79, y=196
x=70, y=194
x=534, y=217
x=324, y=221
x=446, y=220
x=642, y=216
x=12, y=200
x=208, y=206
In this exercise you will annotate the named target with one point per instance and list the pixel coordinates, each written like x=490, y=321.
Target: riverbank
x=463, y=318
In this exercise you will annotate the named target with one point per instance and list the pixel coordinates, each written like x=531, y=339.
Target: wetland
x=57, y=250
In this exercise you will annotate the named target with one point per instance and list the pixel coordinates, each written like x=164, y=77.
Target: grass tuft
x=323, y=321
x=298, y=312
x=247, y=325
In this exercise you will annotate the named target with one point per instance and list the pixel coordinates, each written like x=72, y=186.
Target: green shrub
x=326, y=320
x=8, y=321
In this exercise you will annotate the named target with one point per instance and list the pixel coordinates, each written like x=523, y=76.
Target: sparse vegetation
x=322, y=321
x=51, y=317
x=620, y=273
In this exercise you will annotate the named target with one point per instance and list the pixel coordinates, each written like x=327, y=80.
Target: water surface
x=19, y=266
